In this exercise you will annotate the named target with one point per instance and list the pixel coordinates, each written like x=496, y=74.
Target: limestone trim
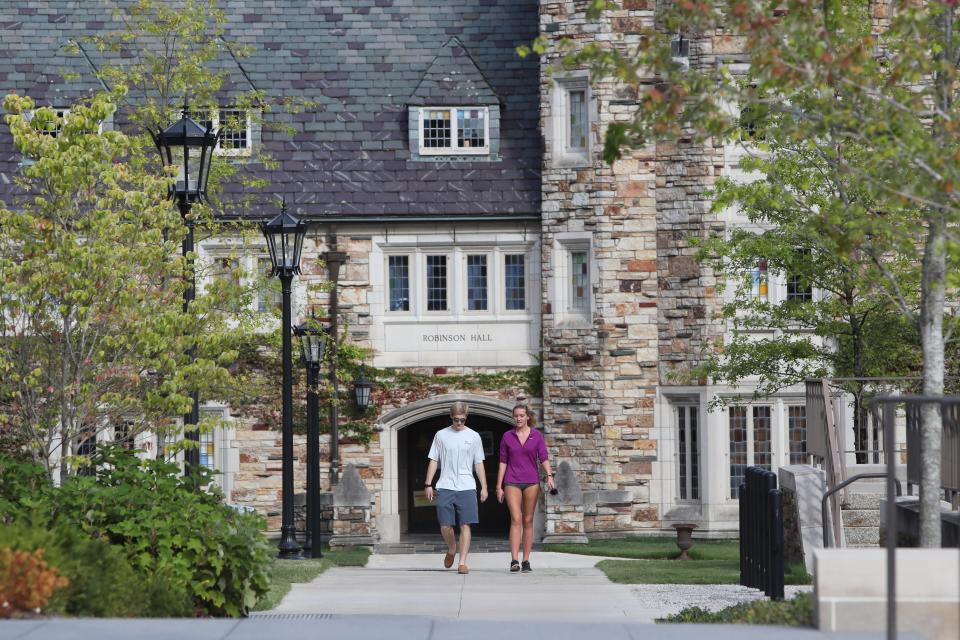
x=440, y=405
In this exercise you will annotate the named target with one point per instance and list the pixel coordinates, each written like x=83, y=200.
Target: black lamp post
x=312, y=344
x=284, y=235
x=189, y=147
x=361, y=391
x=335, y=259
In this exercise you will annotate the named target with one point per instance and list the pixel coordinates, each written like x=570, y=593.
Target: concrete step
x=862, y=536
x=860, y=517
x=863, y=500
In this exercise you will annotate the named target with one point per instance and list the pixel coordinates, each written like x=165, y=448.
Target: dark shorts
x=521, y=485
x=457, y=507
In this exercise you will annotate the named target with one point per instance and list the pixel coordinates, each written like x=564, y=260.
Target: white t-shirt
x=457, y=452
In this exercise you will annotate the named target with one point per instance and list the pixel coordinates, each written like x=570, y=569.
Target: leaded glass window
x=738, y=448
x=437, y=283
x=437, y=129
x=577, y=129
x=797, y=432
x=515, y=286
x=399, y=282
x=471, y=128
x=477, y=282
x=579, y=281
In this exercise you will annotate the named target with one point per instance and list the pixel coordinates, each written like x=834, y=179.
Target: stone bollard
x=565, y=509
x=352, y=504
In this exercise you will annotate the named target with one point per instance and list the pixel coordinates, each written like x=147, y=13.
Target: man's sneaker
x=514, y=566
x=525, y=567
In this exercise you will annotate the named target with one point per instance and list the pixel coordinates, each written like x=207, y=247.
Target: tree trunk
x=931, y=338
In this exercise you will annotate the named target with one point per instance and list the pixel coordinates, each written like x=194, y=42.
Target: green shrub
x=795, y=612
x=180, y=539
x=103, y=583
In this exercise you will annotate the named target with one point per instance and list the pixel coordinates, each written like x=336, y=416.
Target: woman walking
x=522, y=449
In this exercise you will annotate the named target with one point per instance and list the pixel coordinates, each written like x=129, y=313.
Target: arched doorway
x=406, y=437
x=414, y=444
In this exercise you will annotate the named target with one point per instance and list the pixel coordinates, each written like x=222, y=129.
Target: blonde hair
x=459, y=407
x=531, y=417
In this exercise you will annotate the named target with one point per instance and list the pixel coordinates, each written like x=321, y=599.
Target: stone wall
x=257, y=483
x=651, y=311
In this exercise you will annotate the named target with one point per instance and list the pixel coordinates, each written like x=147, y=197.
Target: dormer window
x=236, y=125
x=54, y=127
x=454, y=130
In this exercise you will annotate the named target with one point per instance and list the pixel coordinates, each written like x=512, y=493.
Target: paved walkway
x=562, y=587
x=408, y=597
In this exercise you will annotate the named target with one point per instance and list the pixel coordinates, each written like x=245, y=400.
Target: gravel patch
x=671, y=598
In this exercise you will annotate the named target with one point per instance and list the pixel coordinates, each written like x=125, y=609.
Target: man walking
x=459, y=451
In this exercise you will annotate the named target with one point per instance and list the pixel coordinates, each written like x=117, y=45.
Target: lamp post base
x=289, y=548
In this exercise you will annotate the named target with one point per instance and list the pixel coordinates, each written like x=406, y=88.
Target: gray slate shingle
x=363, y=62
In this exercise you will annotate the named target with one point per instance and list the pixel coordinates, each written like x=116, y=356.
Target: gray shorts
x=457, y=507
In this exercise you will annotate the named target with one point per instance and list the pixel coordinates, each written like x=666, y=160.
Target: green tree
x=90, y=283
x=835, y=320
x=886, y=86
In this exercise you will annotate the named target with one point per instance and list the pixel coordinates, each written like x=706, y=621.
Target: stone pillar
x=565, y=510
x=352, y=504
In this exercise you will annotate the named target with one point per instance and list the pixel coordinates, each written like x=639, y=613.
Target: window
x=751, y=442
x=798, y=288
x=87, y=446
x=226, y=280
x=206, y=449
x=760, y=283
x=680, y=51
x=460, y=281
x=53, y=128
x=571, y=287
x=515, y=288
x=269, y=296
x=207, y=446
x=579, y=282
x=235, y=126
x=123, y=434
x=568, y=135
x=437, y=283
x=454, y=130
x=577, y=130
x=398, y=279
x=688, y=452
x=797, y=433
x=477, y=282
x=738, y=449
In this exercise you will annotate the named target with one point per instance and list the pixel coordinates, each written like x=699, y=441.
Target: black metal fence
x=761, y=532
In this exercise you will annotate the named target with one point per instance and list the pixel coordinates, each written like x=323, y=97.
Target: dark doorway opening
x=413, y=446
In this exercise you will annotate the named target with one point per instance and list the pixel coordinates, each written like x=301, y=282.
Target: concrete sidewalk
x=392, y=628
x=562, y=587
x=411, y=597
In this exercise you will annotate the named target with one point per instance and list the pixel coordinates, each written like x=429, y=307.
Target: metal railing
x=887, y=408
x=825, y=516
x=761, y=532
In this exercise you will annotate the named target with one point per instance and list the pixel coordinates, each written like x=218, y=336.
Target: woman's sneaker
x=514, y=566
x=525, y=567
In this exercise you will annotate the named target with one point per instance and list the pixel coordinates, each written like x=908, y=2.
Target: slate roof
x=364, y=62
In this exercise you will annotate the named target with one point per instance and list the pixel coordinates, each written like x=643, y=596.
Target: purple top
x=522, y=459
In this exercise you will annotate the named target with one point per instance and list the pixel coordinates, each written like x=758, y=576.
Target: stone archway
x=390, y=424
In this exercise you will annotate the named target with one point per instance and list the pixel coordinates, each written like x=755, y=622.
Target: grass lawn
x=285, y=572
x=652, y=561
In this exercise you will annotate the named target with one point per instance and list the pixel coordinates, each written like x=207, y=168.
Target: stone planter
x=684, y=538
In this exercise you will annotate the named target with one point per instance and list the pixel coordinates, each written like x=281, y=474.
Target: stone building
x=488, y=245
